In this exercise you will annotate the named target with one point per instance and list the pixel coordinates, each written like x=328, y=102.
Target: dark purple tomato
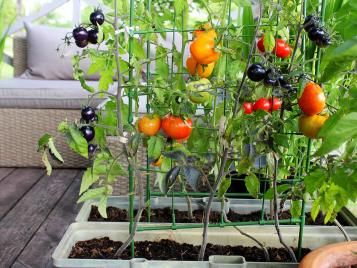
x=92, y=148
x=311, y=22
x=82, y=44
x=88, y=113
x=256, y=72
x=97, y=17
x=316, y=34
x=93, y=36
x=88, y=132
x=270, y=78
x=80, y=34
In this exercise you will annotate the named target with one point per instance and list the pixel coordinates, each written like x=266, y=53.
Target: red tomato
x=176, y=128
x=149, y=124
x=312, y=100
x=281, y=49
x=275, y=103
x=248, y=107
x=262, y=104
x=260, y=44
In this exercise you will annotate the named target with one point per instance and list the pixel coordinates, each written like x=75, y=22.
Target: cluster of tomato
x=82, y=36
x=174, y=127
x=257, y=72
x=203, y=52
x=281, y=48
x=89, y=116
x=268, y=105
x=311, y=103
x=316, y=32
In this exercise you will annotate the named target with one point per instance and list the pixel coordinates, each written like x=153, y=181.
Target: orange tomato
x=310, y=125
x=149, y=124
x=312, y=100
x=203, y=49
x=158, y=162
x=205, y=70
x=176, y=128
x=191, y=65
x=205, y=28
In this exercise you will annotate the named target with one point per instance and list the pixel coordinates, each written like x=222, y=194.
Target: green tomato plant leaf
x=252, y=184
x=224, y=186
x=155, y=147
x=53, y=150
x=192, y=176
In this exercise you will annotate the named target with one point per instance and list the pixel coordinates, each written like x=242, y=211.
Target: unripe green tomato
x=198, y=91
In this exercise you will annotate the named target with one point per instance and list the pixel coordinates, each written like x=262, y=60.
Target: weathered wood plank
x=22, y=222
x=15, y=185
x=39, y=250
x=5, y=172
x=18, y=264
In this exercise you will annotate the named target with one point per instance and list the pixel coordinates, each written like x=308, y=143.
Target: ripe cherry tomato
x=191, y=65
x=310, y=125
x=203, y=49
x=262, y=104
x=176, y=128
x=248, y=107
x=312, y=100
x=149, y=124
x=275, y=103
x=205, y=70
x=281, y=49
x=260, y=44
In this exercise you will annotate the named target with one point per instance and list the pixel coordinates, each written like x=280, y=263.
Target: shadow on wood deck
x=35, y=211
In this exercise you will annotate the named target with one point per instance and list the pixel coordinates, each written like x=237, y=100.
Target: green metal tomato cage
x=304, y=154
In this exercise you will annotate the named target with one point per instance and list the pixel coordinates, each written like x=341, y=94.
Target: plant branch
x=343, y=231
x=137, y=217
x=226, y=150
x=266, y=253
x=275, y=209
x=119, y=76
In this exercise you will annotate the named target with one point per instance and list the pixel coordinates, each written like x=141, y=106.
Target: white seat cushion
x=44, y=94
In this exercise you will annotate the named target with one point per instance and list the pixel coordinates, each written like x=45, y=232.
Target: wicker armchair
x=22, y=127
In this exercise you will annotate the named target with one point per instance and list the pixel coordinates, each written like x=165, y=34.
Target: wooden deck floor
x=35, y=211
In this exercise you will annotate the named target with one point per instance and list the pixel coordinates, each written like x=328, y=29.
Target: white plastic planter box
x=313, y=238
x=242, y=206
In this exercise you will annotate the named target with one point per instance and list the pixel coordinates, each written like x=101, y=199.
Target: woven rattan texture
x=20, y=54
x=121, y=186
x=20, y=131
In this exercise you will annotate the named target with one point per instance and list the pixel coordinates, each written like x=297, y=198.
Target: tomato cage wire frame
x=301, y=166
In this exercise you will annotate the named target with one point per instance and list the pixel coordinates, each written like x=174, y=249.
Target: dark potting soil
x=165, y=215
x=104, y=248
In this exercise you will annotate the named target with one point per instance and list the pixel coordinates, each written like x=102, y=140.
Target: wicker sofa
x=30, y=108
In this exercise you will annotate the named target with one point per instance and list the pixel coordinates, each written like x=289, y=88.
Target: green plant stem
x=119, y=76
x=226, y=150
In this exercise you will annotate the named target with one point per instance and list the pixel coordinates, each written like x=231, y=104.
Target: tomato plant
x=189, y=154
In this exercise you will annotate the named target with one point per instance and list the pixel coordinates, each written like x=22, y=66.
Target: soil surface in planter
x=105, y=248
x=165, y=215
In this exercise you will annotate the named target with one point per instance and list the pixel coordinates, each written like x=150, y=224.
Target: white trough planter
x=313, y=238
x=241, y=206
